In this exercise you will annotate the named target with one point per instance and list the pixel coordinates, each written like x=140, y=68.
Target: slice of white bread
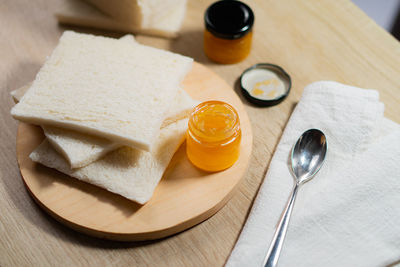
x=131, y=173
x=17, y=94
x=80, y=149
x=99, y=86
x=143, y=13
x=80, y=13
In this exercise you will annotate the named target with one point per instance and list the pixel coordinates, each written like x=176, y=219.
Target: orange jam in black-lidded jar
x=228, y=33
x=213, y=136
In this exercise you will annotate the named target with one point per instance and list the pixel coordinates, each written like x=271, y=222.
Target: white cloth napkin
x=349, y=213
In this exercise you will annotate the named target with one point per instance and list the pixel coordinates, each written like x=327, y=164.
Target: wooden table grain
x=313, y=40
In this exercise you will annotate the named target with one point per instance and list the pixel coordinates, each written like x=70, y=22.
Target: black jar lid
x=229, y=19
x=271, y=81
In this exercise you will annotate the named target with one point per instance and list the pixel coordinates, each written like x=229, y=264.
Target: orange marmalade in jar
x=228, y=33
x=213, y=136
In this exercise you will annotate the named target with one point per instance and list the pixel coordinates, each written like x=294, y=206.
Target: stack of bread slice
x=153, y=17
x=113, y=111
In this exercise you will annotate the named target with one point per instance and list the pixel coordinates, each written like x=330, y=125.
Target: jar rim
x=226, y=135
x=229, y=19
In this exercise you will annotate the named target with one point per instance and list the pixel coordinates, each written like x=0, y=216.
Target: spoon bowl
x=308, y=155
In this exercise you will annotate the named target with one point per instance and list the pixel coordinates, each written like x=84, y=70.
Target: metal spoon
x=307, y=157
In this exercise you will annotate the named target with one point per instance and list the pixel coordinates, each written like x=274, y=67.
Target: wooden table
x=312, y=40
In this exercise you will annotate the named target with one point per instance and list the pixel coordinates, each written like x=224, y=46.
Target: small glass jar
x=213, y=136
x=228, y=33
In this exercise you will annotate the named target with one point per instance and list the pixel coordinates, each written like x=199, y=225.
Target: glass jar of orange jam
x=228, y=34
x=213, y=136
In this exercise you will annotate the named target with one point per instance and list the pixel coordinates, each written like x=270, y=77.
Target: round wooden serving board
x=185, y=196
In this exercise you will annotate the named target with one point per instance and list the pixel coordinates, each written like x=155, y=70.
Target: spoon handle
x=276, y=245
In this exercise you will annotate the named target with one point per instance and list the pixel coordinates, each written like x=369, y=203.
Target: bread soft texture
x=80, y=149
x=131, y=173
x=79, y=13
x=141, y=13
x=100, y=86
x=17, y=94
